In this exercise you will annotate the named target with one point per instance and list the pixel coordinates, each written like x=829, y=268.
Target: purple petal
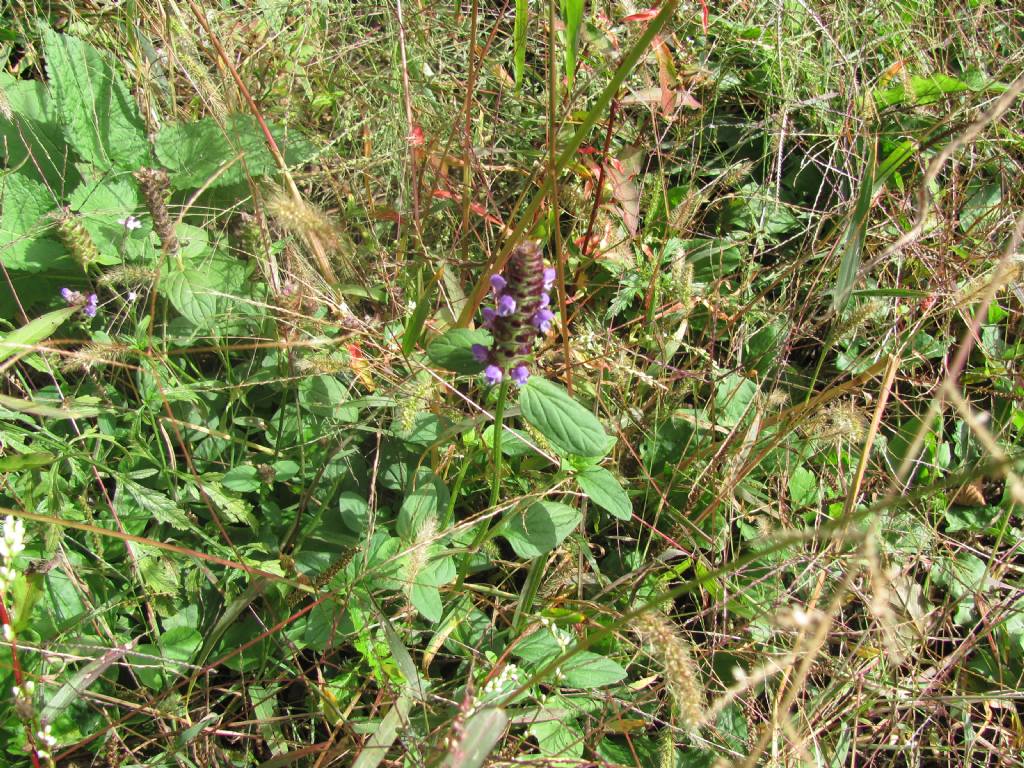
x=545, y=300
x=498, y=283
x=520, y=374
x=67, y=294
x=506, y=306
x=489, y=315
x=492, y=375
x=542, y=319
x=480, y=352
x=549, y=277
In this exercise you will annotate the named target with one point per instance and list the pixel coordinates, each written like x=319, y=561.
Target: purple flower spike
x=489, y=315
x=480, y=352
x=498, y=283
x=542, y=320
x=549, y=277
x=520, y=374
x=506, y=306
x=492, y=375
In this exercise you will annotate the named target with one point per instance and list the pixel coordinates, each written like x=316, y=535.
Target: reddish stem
x=19, y=679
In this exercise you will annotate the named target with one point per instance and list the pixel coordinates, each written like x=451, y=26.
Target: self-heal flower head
x=506, y=305
x=492, y=375
x=520, y=311
x=520, y=374
x=480, y=353
x=542, y=320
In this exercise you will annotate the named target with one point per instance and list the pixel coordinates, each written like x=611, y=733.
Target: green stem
x=499, y=415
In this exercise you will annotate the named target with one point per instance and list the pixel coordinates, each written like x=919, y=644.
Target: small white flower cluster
x=504, y=681
x=46, y=742
x=562, y=637
x=23, y=693
x=12, y=544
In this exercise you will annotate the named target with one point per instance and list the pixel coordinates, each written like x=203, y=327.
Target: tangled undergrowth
x=427, y=384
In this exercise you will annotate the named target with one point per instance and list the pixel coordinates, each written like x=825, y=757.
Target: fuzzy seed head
x=664, y=643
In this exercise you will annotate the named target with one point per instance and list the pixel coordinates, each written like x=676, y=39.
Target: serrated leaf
x=590, y=670
x=562, y=420
x=99, y=117
x=540, y=528
x=195, y=152
x=453, y=350
x=24, y=227
x=605, y=490
x=154, y=503
x=30, y=139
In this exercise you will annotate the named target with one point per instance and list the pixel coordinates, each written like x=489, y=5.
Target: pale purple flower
x=481, y=353
x=498, y=283
x=130, y=223
x=489, y=315
x=492, y=375
x=545, y=300
x=132, y=295
x=542, y=319
x=520, y=374
x=90, y=306
x=549, y=277
x=506, y=306
x=68, y=295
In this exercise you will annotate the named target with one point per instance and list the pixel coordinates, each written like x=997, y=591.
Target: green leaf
x=99, y=116
x=733, y=398
x=477, y=737
x=589, y=670
x=384, y=735
x=856, y=231
x=355, y=511
x=453, y=350
x=416, y=508
x=540, y=528
x=803, y=488
x=24, y=224
x=559, y=737
x=519, y=40
x=22, y=339
x=130, y=494
x=30, y=139
x=562, y=420
x=243, y=479
x=427, y=600
x=572, y=17
x=19, y=462
x=194, y=152
x=605, y=490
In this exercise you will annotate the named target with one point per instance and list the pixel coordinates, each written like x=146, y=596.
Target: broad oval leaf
x=541, y=528
x=589, y=670
x=605, y=490
x=563, y=421
x=453, y=350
